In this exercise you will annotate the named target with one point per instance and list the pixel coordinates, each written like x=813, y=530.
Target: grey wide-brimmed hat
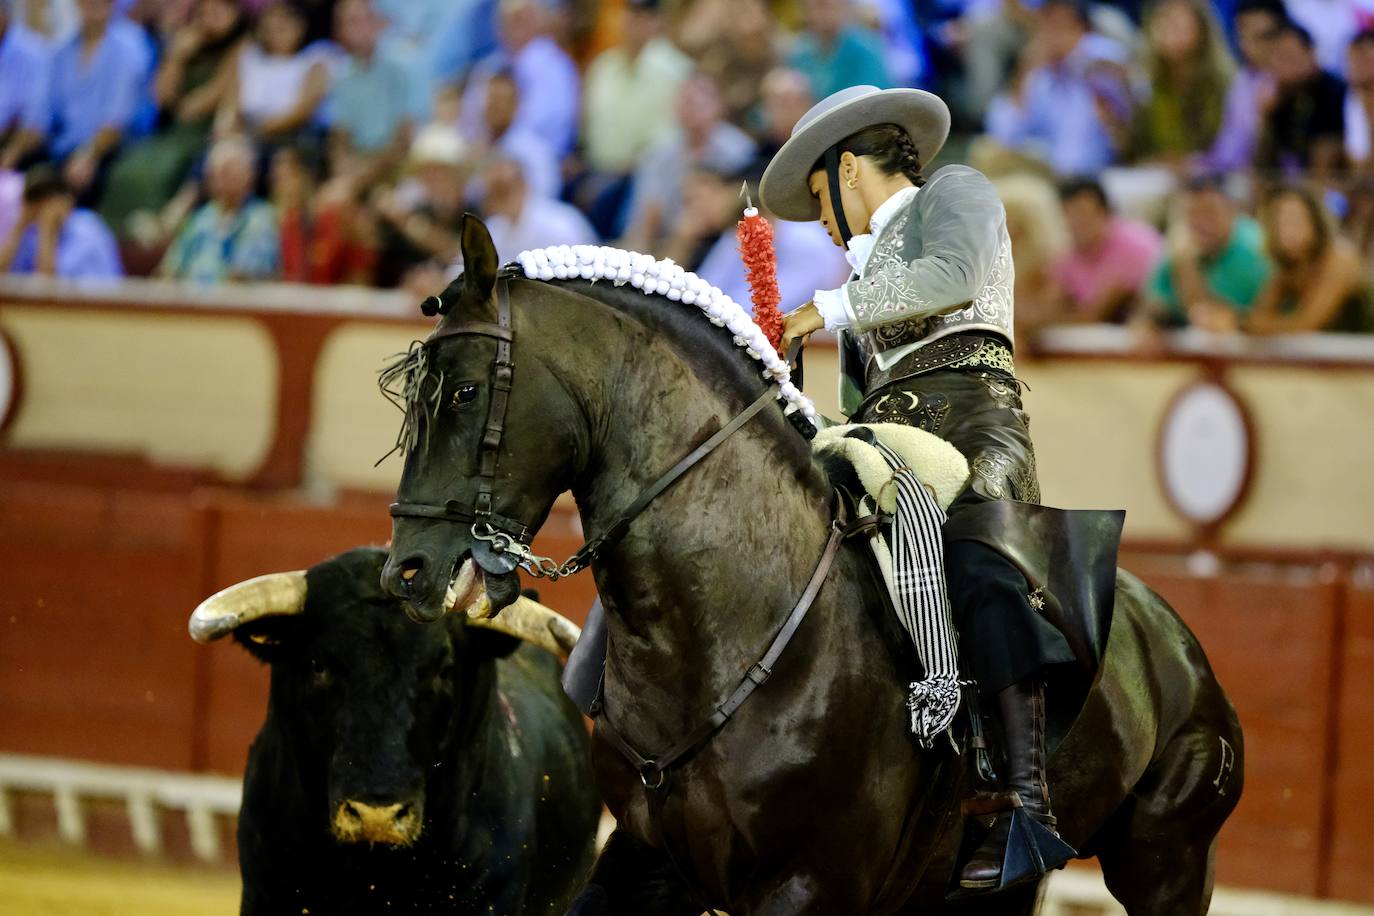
x=784, y=188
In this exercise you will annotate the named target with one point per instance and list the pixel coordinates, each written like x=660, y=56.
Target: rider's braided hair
x=890, y=148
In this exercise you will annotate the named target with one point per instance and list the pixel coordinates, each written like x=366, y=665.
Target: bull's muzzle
x=393, y=825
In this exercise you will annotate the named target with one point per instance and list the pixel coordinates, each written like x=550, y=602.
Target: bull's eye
x=464, y=395
x=319, y=673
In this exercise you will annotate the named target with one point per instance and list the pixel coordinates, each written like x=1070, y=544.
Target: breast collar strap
x=508, y=535
x=653, y=771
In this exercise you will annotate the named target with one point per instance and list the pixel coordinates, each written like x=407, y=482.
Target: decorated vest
x=942, y=265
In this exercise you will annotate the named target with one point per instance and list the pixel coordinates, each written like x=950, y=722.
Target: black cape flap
x=1067, y=554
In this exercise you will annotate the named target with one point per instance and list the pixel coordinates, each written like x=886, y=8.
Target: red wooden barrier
x=92, y=664
x=95, y=662
x=1270, y=637
x=1351, y=862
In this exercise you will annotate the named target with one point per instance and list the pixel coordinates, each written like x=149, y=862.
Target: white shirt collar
x=861, y=246
x=888, y=208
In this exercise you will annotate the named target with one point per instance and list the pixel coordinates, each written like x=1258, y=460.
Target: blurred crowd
x=1174, y=162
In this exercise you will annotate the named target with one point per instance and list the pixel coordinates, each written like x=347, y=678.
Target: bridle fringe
x=402, y=382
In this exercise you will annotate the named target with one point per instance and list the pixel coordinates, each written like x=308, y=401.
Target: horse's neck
x=707, y=573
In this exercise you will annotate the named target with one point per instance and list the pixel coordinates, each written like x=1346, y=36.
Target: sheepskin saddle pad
x=940, y=467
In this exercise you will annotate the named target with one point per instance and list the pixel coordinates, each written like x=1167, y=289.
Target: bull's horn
x=272, y=595
x=533, y=622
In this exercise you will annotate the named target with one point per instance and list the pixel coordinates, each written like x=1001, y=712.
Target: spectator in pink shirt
x=1109, y=258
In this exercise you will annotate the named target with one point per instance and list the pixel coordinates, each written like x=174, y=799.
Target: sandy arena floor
x=55, y=881
x=52, y=881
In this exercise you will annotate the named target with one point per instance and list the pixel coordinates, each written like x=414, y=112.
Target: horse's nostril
x=409, y=570
x=402, y=813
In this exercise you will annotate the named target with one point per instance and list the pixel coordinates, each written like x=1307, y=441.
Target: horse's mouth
x=467, y=590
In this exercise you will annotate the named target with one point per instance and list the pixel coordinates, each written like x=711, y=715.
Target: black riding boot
x=1017, y=843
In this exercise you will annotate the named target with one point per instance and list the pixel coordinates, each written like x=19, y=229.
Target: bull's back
x=551, y=756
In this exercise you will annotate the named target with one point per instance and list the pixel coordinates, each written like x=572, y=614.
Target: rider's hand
x=800, y=325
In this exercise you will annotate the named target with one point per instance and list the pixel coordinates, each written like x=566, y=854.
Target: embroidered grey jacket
x=940, y=266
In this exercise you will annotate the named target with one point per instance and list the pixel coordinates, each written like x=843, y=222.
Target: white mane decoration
x=665, y=278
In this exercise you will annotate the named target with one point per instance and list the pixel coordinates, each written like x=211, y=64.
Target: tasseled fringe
x=933, y=703
x=918, y=572
x=402, y=382
x=755, y=236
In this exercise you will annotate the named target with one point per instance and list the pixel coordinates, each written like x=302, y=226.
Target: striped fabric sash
x=918, y=576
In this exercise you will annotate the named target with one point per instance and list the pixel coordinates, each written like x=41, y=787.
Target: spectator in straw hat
x=422, y=218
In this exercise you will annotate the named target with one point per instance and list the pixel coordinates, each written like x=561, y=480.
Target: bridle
x=479, y=514
x=501, y=543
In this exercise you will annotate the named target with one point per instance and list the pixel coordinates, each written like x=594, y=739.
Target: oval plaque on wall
x=9, y=380
x=1205, y=453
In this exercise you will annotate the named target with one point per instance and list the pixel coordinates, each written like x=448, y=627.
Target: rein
x=545, y=568
x=501, y=543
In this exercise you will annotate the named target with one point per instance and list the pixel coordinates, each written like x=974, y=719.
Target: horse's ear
x=479, y=262
x=473, y=287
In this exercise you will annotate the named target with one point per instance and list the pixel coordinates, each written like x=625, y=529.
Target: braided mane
x=669, y=280
x=408, y=383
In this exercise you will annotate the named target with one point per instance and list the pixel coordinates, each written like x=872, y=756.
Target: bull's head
x=369, y=702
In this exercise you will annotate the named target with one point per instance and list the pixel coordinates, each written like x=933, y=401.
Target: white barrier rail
x=142, y=791
x=1076, y=892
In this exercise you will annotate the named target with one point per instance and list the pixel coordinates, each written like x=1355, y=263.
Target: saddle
x=1068, y=556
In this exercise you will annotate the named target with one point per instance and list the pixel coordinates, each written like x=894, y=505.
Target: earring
x=851, y=183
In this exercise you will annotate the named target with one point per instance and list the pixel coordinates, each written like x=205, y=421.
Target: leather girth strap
x=653, y=770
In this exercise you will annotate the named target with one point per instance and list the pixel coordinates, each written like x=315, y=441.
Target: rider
x=925, y=329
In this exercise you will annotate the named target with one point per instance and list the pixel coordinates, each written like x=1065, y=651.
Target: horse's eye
x=320, y=674
x=464, y=395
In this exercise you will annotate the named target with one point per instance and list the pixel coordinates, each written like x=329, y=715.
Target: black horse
x=813, y=799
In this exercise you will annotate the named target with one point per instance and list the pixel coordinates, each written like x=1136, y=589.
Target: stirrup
x=1032, y=849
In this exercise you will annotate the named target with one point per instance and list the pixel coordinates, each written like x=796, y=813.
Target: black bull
x=408, y=769
x=812, y=800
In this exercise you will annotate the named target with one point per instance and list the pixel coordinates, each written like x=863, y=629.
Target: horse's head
x=486, y=443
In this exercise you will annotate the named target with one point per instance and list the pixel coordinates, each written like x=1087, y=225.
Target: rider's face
x=855, y=211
